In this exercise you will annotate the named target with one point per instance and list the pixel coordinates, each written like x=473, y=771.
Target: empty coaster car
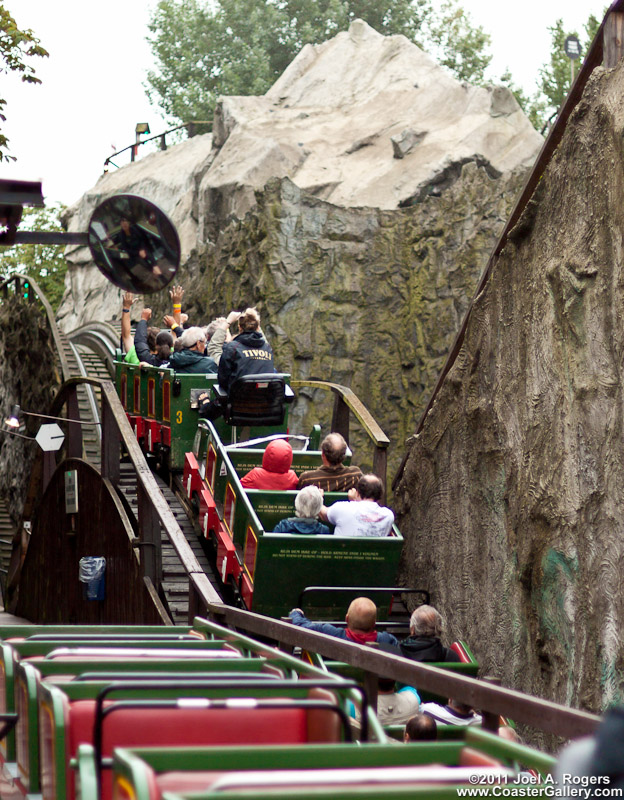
x=180, y=713
x=80, y=680
x=53, y=647
x=255, y=399
x=427, y=769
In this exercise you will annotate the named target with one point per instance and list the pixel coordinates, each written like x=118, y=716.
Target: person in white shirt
x=453, y=713
x=361, y=514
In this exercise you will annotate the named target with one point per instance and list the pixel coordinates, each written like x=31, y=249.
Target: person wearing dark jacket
x=159, y=356
x=249, y=353
x=423, y=643
x=191, y=357
x=308, y=504
x=361, y=619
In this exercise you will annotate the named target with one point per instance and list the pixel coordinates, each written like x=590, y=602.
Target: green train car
x=267, y=571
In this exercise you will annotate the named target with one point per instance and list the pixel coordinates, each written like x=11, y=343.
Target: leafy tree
x=457, y=44
x=235, y=47
x=555, y=77
x=44, y=262
x=15, y=47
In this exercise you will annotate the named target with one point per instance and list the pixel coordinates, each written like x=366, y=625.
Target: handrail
x=593, y=59
x=544, y=715
x=353, y=402
x=346, y=401
x=190, y=126
x=153, y=510
x=17, y=278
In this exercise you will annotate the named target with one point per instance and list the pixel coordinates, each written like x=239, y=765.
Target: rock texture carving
x=27, y=375
x=327, y=124
x=512, y=495
x=368, y=298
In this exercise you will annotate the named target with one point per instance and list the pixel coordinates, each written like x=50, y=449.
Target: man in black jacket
x=249, y=353
x=423, y=643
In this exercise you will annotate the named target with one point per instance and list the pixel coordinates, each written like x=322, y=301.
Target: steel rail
x=101, y=338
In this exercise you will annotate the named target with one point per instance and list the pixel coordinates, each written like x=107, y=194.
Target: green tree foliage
x=15, y=47
x=553, y=83
x=457, y=44
x=205, y=49
x=555, y=77
x=44, y=262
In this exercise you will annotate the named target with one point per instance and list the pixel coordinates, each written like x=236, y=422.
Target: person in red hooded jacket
x=275, y=472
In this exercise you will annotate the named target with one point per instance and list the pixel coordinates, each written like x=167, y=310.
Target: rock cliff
x=27, y=375
x=355, y=203
x=513, y=493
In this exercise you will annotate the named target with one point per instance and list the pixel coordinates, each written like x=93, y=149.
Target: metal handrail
x=352, y=401
x=190, y=127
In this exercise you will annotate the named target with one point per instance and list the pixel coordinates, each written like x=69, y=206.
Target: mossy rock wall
x=512, y=498
x=366, y=298
x=28, y=376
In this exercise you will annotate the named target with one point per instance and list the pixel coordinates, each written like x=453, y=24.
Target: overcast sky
x=92, y=93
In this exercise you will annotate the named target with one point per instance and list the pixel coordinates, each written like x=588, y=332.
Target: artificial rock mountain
x=512, y=494
x=355, y=203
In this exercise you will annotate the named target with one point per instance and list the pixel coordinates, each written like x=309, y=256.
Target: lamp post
x=573, y=50
x=141, y=128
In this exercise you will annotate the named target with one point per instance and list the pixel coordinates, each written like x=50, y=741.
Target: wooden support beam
x=613, y=39
x=149, y=529
x=340, y=417
x=74, y=431
x=111, y=440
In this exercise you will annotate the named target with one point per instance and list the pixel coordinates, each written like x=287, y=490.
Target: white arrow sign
x=50, y=437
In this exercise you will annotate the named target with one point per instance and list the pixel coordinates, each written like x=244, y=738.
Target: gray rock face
x=363, y=297
x=513, y=494
x=28, y=376
x=333, y=123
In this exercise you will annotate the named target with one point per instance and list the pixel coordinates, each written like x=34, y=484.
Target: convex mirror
x=134, y=244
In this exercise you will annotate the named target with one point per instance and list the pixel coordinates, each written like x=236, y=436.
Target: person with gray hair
x=308, y=503
x=191, y=357
x=424, y=643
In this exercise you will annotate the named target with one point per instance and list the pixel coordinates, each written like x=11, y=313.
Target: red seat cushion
x=469, y=757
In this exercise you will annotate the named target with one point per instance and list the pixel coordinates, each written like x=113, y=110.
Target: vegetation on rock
x=367, y=298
